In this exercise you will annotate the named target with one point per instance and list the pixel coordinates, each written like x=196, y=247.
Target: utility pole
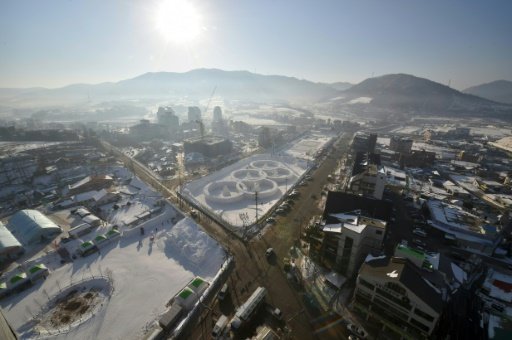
x=256, y=199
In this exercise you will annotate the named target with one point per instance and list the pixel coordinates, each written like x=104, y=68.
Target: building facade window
x=404, y=303
x=366, y=284
x=420, y=325
x=346, y=254
x=423, y=314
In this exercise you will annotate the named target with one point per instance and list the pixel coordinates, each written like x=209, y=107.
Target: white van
x=219, y=327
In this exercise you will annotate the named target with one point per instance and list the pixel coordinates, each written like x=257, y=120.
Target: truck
x=249, y=307
x=219, y=327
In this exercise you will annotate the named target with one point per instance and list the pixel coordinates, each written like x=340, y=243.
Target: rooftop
x=404, y=271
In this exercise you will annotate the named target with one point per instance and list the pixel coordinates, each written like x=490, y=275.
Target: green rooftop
x=3, y=285
x=112, y=232
x=197, y=282
x=86, y=244
x=100, y=238
x=37, y=268
x=185, y=293
x=18, y=277
x=411, y=251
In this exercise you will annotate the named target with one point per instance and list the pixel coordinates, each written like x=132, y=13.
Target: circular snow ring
x=265, y=164
x=73, y=306
x=279, y=174
x=265, y=188
x=248, y=174
x=223, y=192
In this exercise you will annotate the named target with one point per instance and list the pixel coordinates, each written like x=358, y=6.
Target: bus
x=246, y=311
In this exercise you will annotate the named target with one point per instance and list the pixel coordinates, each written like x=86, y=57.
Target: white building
x=352, y=239
x=392, y=293
x=370, y=182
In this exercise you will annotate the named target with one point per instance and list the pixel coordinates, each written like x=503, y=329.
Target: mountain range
x=389, y=93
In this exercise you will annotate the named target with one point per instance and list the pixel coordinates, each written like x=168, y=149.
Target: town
x=199, y=225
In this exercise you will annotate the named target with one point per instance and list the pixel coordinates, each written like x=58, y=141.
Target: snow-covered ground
x=15, y=147
x=146, y=275
x=229, y=192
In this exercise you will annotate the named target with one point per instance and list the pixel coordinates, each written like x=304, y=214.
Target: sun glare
x=178, y=21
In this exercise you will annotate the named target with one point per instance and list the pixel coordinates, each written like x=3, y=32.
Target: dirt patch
x=73, y=306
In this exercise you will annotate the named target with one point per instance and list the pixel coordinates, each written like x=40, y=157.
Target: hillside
x=498, y=91
x=414, y=95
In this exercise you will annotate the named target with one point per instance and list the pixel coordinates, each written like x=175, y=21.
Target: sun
x=178, y=21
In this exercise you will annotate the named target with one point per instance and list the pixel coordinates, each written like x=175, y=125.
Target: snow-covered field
x=9, y=148
x=229, y=192
x=146, y=275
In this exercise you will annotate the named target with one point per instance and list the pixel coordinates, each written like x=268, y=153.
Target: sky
x=56, y=43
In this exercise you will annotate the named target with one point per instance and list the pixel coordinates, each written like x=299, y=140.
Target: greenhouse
x=9, y=245
x=31, y=226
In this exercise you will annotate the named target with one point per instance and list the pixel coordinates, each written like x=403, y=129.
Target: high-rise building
x=349, y=238
x=368, y=178
x=400, y=144
x=364, y=142
x=167, y=118
x=217, y=114
x=194, y=113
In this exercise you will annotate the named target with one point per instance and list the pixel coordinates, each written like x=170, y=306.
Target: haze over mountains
x=395, y=92
x=499, y=91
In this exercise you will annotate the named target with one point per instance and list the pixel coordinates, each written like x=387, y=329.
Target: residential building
x=208, y=146
x=352, y=227
x=350, y=239
x=400, y=144
x=364, y=142
x=368, y=178
x=146, y=131
x=469, y=231
x=90, y=183
x=167, y=118
x=417, y=159
x=392, y=294
x=370, y=182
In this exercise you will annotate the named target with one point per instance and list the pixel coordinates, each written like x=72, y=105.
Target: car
x=269, y=252
x=285, y=206
x=359, y=331
x=352, y=337
x=277, y=314
x=419, y=242
x=271, y=220
x=223, y=292
x=280, y=211
x=419, y=232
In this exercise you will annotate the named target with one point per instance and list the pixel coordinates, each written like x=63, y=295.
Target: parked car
x=223, y=292
x=360, y=332
x=277, y=313
x=269, y=252
x=419, y=242
x=419, y=232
